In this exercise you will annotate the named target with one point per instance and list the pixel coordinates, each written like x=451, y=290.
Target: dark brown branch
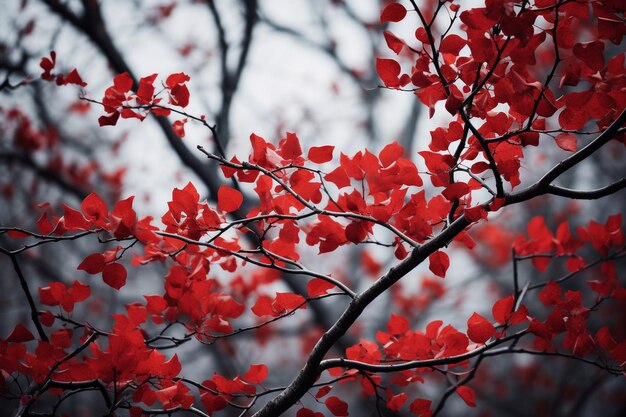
x=589, y=194
x=612, y=371
x=543, y=185
x=95, y=383
x=230, y=79
x=452, y=389
x=308, y=374
x=34, y=315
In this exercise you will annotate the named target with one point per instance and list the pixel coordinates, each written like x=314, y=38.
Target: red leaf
x=388, y=70
x=307, y=412
x=604, y=338
x=421, y=35
x=212, y=402
x=421, y=407
x=114, y=275
x=566, y=142
x=551, y=294
x=287, y=301
x=439, y=263
x=391, y=153
x=321, y=154
x=318, y=286
x=145, y=92
x=79, y=291
x=20, y=334
x=155, y=303
x=263, y=307
x=338, y=177
x=44, y=225
x=51, y=294
x=179, y=94
x=256, y=374
x=160, y=111
x=17, y=234
x=46, y=318
x=228, y=199
x=371, y=266
x=394, y=403
x=356, y=232
x=591, y=54
x=452, y=44
x=394, y=43
x=92, y=264
x=397, y=325
x=179, y=127
x=74, y=220
x=337, y=406
x=109, y=120
x=74, y=78
x=323, y=391
x=47, y=64
x=474, y=214
x=467, y=394
x=503, y=313
x=455, y=191
x=290, y=147
x=95, y=208
x=394, y=12
x=123, y=82
x=176, y=79
x=479, y=329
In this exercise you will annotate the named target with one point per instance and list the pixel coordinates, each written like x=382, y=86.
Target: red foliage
x=511, y=75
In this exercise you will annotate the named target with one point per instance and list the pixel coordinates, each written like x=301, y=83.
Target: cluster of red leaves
x=568, y=314
x=121, y=222
x=385, y=182
x=489, y=73
x=399, y=342
x=48, y=64
x=542, y=245
x=497, y=62
x=190, y=296
x=120, y=100
x=127, y=361
x=219, y=390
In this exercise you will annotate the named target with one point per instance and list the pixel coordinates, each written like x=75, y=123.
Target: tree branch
x=589, y=194
x=543, y=185
x=34, y=315
x=420, y=363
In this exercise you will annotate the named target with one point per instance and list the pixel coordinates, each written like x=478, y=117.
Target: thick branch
x=589, y=194
x=311, y=369
x=309, y=373
x=543, y=185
